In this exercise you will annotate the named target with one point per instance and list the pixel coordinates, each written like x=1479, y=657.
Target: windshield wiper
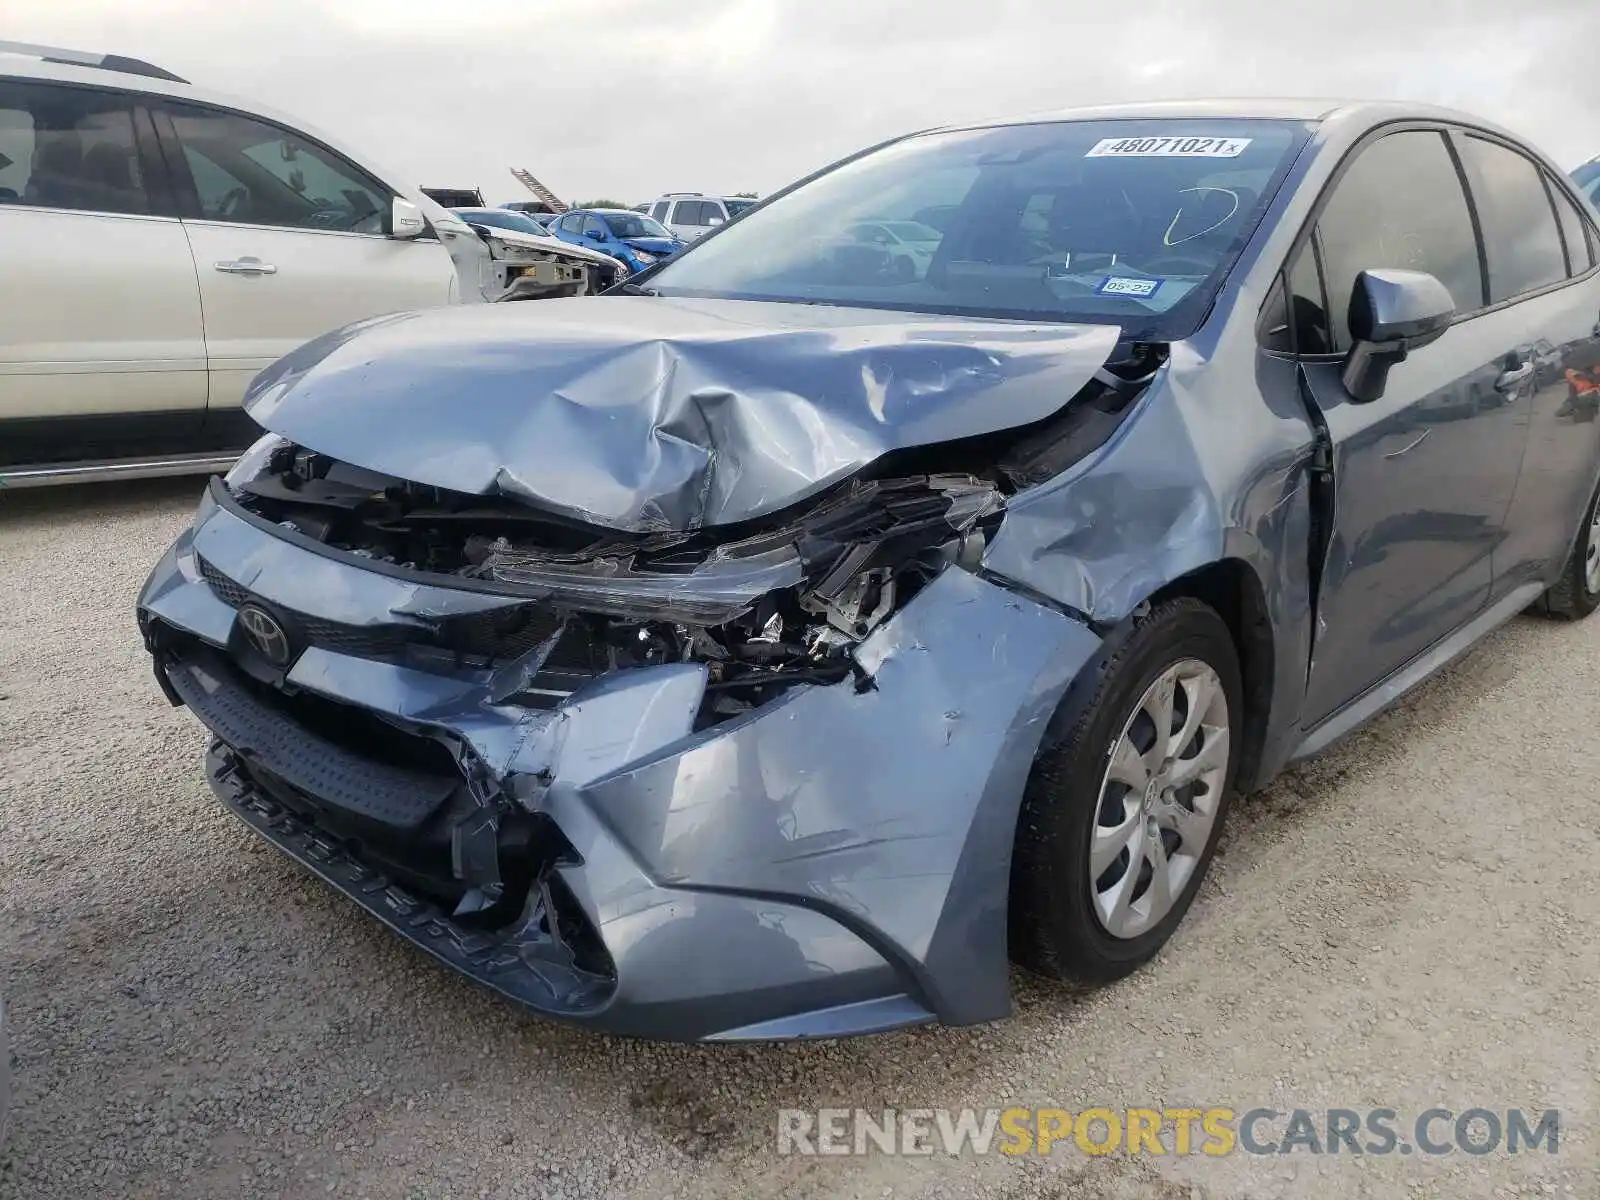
x=633, y=289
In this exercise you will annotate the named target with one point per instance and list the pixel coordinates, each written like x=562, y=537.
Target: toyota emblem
x=263, y=631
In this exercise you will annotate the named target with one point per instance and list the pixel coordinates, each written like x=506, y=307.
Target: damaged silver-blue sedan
x=777, y=646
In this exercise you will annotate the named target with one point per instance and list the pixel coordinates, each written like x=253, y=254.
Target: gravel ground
x=1405, y=922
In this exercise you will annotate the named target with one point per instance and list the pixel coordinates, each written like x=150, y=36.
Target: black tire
x=1571, y=597
x=1054, y=928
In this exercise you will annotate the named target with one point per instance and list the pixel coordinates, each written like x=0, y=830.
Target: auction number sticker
x=1168, y=147
x=1117, y=285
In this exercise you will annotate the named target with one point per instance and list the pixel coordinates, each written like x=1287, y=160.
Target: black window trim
x=1309, y=230
x=1486, y=135
x=1551, y=188
x=158, y=184
x=1580, y=202
x=182, y=181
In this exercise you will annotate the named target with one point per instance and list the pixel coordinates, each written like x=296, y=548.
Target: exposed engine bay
x=763, y=610
x=764, y=606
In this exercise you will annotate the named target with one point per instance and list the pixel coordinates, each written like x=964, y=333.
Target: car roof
x=17, y=66
x=1354, y=112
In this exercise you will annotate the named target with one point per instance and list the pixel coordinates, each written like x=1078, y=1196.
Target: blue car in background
x=636, y=239
x=1587, y=177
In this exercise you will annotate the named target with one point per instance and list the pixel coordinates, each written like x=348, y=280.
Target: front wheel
x=1577, y=593
x=1123, y=808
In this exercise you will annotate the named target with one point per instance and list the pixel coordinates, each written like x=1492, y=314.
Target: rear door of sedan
x=1425, y=474
x=1539, y=247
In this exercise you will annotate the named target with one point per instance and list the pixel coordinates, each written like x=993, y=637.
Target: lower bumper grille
x=536, y=960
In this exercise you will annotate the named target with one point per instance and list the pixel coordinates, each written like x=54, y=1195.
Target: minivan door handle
x=248, y=265
x=1510, y=380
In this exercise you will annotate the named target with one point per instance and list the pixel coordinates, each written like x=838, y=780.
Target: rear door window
x=1399, y=204
x=1520, y=234
x=73, y=148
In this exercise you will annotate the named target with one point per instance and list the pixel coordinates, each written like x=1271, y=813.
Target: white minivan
x=169, y=243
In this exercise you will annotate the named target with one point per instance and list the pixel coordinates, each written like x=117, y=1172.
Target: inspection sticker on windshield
x=1119, y=285
x=1168, y=147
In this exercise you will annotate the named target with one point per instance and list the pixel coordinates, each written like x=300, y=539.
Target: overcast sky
x=630, y=98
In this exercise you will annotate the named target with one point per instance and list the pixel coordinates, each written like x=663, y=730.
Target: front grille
x=229, y=592
x=499, y=634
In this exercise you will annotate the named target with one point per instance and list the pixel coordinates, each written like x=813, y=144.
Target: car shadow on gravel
x=97, y=501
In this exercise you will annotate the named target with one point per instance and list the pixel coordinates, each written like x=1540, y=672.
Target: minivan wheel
x=1123, y=807
x=1577, y=593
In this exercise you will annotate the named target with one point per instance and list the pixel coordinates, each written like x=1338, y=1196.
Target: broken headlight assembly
x=762, y=608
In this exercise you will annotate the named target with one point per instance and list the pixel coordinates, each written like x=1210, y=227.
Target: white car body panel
x=113, y=323
x=251, y=321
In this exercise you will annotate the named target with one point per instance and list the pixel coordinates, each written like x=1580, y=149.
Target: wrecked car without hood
x=774, y=646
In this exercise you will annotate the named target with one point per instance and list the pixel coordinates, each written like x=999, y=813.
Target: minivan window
x=258, y=174
x=65, y=147
x=1134, y=223
x=1573, y=233
x=1399, y=204
x=1520, y=236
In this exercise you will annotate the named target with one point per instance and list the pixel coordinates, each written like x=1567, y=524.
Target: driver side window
x=1402, y=204
x=249, y=172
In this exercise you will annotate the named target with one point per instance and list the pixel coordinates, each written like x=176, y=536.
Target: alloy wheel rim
x=1591, y=553
x=1159, y=798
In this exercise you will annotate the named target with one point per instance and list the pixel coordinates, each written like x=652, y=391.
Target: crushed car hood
x=643, y=413
x=551, y=243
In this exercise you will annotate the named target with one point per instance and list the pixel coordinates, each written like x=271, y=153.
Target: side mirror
x=713, y=221
x=405, y=220
x=1392, y=312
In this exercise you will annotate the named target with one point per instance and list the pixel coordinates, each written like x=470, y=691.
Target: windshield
x=735, y=207
x=634, y=225
x=502, y=218
x=1132, y=223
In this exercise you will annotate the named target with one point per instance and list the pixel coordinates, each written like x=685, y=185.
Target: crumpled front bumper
x=836, y=862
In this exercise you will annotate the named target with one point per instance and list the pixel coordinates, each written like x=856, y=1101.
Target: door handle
x=1409, y=447
x=1511, y=380
x=248, y=265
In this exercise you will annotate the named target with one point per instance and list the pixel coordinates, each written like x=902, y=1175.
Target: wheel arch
x=1231, y=588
